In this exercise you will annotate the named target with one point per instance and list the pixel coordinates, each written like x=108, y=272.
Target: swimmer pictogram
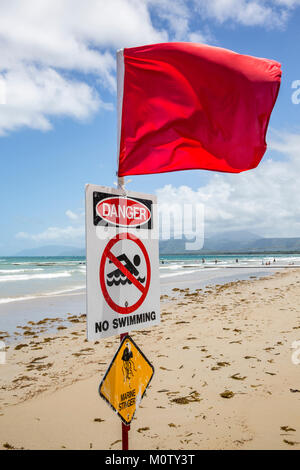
x=129, y=271
x=117, y=277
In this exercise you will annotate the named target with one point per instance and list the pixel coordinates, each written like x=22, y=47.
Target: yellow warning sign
x=126, y=380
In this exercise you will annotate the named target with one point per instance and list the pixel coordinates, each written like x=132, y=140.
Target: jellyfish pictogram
x=128, y=367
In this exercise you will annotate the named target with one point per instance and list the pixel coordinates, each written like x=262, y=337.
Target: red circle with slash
x=107, y=254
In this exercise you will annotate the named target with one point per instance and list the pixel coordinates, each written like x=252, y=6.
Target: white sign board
x=122, y=261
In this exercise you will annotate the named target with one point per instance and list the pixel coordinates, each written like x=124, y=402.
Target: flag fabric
x=184, y=106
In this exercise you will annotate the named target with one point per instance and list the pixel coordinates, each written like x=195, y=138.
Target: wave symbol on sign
x=116, y=277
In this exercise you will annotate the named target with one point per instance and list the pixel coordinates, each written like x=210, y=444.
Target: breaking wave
x=26, y=277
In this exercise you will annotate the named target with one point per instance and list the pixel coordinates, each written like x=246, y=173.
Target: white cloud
x=176, y=16
x=54, y=233
x=59, y=234
x=71, y=215
x=46, y=43
x=66, y=33
x=2, y=91
x=263, y=200
x=197, y=37
x=43, y=42
x=287, y=3
x=34, y=94
x=269, y=13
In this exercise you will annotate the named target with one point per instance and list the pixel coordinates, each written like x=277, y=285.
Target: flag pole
x=125, y=427
x=121, y=183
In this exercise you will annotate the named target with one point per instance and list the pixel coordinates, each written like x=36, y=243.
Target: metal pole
x=121, y=185
x=125, y=427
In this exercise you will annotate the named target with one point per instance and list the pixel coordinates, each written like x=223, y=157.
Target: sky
x=58, y=119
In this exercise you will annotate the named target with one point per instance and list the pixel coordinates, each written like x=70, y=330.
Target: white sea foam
x=48, y=263
x=179, y=273
x=171, y=266
x=191, y=265
x=65, y=291
x=20, y=263
x=42, y=295
x=13, y=271
x=27, y=277
x=81, y=269
x=7, y=300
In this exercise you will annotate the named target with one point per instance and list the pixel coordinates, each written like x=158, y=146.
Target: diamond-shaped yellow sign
x=126, y=380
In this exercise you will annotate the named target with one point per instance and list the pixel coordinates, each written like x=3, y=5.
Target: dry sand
x=235, y=338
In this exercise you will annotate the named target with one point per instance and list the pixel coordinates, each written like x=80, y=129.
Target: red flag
x=184, y=106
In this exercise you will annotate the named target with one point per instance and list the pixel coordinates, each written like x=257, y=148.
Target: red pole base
x=125, y=430
x=122, y=335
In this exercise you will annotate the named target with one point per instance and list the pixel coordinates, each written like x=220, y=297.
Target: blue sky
x=58, y=124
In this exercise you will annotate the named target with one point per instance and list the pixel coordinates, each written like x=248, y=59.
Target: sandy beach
x=224, y=376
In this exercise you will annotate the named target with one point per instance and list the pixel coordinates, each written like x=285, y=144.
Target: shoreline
x=235, y=337
x=19, y=312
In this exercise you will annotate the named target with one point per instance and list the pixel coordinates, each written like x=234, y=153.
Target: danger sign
x=120, y=211
x=126, y=380
x=122, y=262
x=123, y=212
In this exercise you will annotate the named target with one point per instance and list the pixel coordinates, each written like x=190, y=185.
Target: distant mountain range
x=234, y=242
x=226, y=242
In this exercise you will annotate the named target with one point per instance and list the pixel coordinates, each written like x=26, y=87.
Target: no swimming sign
x=122, y=261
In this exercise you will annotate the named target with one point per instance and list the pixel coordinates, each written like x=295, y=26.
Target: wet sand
x=53, y=306
x=224, y=376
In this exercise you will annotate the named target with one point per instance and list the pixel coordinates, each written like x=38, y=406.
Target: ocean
x=43, y=277
x=28, y=278
x=32, y=289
